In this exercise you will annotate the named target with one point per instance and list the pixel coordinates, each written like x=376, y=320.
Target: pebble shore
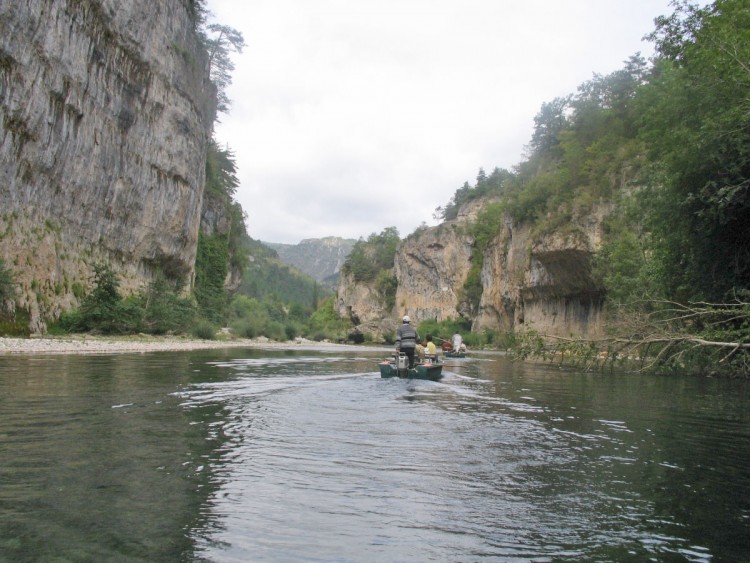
x=138, y=344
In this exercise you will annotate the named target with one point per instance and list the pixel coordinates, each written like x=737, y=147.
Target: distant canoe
x=452, y=354
x=431, y=371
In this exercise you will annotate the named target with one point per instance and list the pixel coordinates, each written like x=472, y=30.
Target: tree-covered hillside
x=371, y=261
x=267, y=276
x=320, y=258
x=667, y=142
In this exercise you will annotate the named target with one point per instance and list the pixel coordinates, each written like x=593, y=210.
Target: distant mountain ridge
x=320, y=258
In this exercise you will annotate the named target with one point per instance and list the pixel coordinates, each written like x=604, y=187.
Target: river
x=279, y=455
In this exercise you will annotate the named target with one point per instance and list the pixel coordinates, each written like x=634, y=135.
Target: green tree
x=221, y=41
x=7, y=284
x=101, y=310
x=164, y=310
x=548, y=123
x=369, y=257
x=696, y=123
x=211, y=267
x=221, y=170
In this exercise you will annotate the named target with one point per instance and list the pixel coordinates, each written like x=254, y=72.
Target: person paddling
x=457, y=342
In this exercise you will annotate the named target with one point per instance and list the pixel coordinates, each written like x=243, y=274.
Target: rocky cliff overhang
x=544, y=282
x=105, y=112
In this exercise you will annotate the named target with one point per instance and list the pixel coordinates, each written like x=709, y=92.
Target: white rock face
x=105, y=112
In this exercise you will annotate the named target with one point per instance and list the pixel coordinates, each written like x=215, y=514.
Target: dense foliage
x=669, y=144
x=218, y=252
x=696, y=122
x=369, y=257
x=211, y=265
x=267, y=277
x=159, y=309
x=371, y=261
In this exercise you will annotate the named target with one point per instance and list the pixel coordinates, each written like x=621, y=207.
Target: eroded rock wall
x=431, y=268
x=543, y=281
x=105, y=112
x=364, y=306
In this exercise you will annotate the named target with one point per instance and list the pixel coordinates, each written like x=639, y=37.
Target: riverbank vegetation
x=700, y=338
x=444, y=330
x=667, y=145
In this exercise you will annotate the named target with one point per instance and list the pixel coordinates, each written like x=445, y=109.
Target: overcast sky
x=350, y=116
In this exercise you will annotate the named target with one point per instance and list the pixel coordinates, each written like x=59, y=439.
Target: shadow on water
x=241, y=455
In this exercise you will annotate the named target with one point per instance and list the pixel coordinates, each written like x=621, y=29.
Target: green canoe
x=432, y=371
x=452, y=354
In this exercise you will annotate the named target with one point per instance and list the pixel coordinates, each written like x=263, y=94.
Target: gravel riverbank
x=141, y=344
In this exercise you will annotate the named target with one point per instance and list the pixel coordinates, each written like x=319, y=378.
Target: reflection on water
x=270, y=455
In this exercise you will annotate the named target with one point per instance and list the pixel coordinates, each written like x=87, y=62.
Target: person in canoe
x=457, y=342
x=419, y=351
x=430, y=348
x=406, y=340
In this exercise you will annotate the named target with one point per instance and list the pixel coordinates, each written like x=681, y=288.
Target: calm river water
x=270, y=455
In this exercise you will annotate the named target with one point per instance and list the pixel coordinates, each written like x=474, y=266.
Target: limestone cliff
x=105, y=112
x=543, y=280
x=363, y=304
x=431, y=267
x=531, y=277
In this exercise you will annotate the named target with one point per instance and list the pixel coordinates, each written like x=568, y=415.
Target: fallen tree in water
x=656, y=336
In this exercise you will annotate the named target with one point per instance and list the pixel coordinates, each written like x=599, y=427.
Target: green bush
x=292, y=330
x=389, y=337
x=7, y=283
x=244, y=328
x=15, y=325
x=162, y=310
x=275, y=331
x=204, y=330
x=101, y=310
